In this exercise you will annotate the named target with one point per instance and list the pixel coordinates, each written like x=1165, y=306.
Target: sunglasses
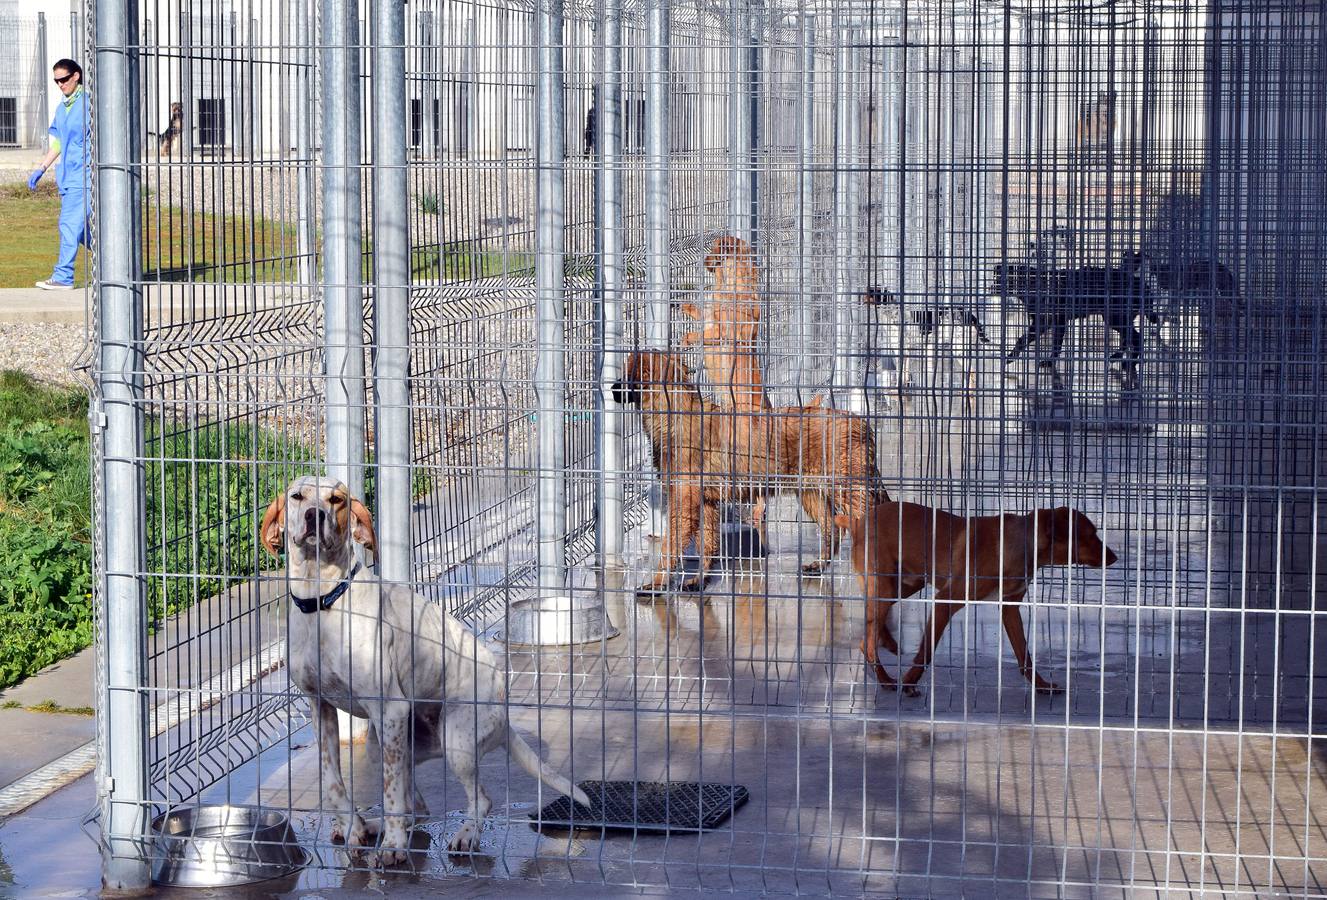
x=66, y=78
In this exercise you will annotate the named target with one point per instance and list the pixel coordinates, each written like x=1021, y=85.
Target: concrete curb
x=36, y=785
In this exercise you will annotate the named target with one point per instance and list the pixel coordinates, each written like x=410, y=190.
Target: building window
x=8, y=121
x=417, y=125
x=211, y=123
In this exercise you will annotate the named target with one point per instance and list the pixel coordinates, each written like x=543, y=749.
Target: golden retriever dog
x=707, y=454
x=729, y=325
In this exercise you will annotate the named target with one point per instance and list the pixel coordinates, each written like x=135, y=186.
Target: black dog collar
x=308, y=605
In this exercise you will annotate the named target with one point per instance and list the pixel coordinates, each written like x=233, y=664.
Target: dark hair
x=69, y=66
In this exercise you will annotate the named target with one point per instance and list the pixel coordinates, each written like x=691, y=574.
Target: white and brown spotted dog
x=382, y=653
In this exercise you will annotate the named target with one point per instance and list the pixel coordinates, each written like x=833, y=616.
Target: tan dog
x=729, y=325
x=706, y=455
x=381, y=652
x=900, y=547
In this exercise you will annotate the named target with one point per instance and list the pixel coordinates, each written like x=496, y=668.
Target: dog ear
x=1044, y=522
x=272, y=530
x=1052, y=530
x=363, y=531
x=844, y=521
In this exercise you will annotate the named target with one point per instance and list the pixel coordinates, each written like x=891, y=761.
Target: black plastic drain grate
x=649, y=807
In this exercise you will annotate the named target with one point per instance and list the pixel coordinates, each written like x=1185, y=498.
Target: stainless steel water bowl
x=214, y=846
x=558, y=621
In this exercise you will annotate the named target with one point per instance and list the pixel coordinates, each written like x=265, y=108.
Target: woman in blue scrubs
x=69, y=144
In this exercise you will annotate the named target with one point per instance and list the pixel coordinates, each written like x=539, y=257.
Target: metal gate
x=414, y=247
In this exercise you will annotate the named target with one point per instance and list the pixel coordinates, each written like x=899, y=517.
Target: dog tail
x=532, y=762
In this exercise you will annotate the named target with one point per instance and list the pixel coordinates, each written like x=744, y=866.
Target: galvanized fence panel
x=921, y=184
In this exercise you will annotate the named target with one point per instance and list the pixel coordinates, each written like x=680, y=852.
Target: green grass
x=211, y=248
x=176, y=246
x=462, y=261
x=53, y=708
x=45, y=526
x=207, y=486
x=204, y=501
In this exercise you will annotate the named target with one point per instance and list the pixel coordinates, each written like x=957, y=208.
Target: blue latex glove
x=34, y=178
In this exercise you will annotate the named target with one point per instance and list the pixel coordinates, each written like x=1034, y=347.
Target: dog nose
x=313, y=520
x=1111, y=558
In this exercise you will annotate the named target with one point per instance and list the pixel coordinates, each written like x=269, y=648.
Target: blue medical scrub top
x=69, y=135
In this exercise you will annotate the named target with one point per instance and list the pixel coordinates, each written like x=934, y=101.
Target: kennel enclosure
x=410, y=245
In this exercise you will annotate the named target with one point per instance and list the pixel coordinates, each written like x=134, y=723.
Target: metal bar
x=843, y=211
x=742, y=118
x=123, y=764
x=75, y=35
x=806, y=197
x=657, y=180
x=186, y=136
x=609, y=210
x=849, y=306
x=392, y=433
x=550, y=312
x=343, y=299
x=43, y=66
x=304, y=208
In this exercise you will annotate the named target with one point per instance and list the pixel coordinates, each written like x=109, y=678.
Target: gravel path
x=45, y=350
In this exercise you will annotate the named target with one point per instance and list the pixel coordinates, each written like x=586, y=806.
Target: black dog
x=1195, y=276
x=1055, y=297
x=929, y=319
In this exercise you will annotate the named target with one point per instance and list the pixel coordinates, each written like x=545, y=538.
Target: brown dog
x=167, y=139
x=706, y=455
x=900, y=547
x=729, y=325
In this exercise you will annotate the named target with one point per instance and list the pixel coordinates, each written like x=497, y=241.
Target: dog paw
x=692, y=585
x=1049, y=688
x=351, y=832
x=909, y=690
x=466, y=840
x=392, y=849
x=814, y=568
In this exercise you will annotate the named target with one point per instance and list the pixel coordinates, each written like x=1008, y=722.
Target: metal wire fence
x=1006, y=258
x=23, y=101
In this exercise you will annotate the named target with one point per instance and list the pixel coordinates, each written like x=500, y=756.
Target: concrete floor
x=976, y=788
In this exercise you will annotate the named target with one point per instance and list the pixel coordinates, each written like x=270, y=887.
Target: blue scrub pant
x=73, y=231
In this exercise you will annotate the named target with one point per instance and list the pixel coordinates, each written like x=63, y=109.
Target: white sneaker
x=49, y=285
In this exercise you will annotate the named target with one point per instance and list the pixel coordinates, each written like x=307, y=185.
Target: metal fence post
x=845, y=212
x=43, y=86
x=657, y=225
x=186, y=137
x=806, y=199
x=609, y=180
x=743, y=104
x=123, y=754
x=75, y=31
x=304, y=211
x=392, y=433
x=428, y=89
x=657, y=232
x=343, y=296
x=848, y=300
x=551, y=339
